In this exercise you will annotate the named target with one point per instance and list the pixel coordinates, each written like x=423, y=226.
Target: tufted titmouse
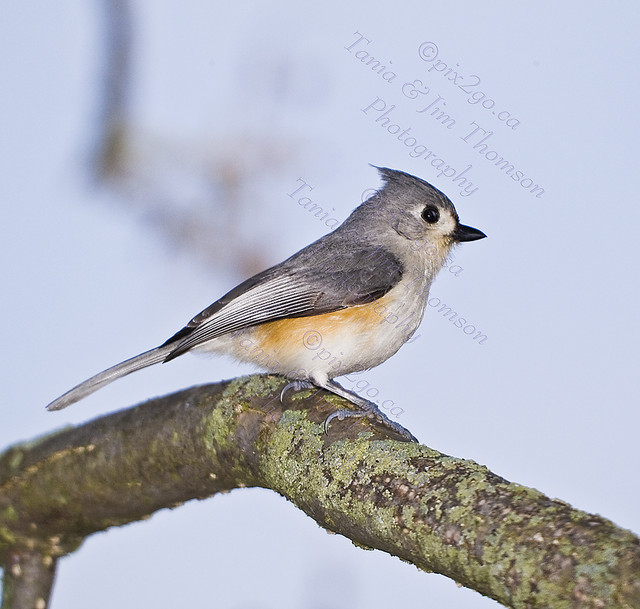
x=331, y=309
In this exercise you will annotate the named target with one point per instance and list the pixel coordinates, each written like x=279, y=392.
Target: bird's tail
x=148, y=358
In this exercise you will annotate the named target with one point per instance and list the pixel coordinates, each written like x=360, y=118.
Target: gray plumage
x=370, y=254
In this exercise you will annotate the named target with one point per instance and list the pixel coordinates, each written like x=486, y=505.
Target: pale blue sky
x=548, y=400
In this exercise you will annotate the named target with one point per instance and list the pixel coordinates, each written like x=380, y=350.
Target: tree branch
x=28, y=580
x=442, y=514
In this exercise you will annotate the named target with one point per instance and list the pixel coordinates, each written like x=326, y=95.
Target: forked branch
x=443, y=514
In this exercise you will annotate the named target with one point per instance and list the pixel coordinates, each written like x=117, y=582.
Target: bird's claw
x=295, y=386
x=367, y=410
x=341, y=415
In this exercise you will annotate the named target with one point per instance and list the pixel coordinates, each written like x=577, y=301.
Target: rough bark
x=443, y=514
x=28, y=579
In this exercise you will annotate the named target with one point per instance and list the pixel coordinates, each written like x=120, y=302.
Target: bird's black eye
x=431, y=214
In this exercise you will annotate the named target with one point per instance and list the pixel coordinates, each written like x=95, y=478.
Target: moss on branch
x=443, y=514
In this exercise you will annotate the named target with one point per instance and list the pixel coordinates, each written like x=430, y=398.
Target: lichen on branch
x=443, y=514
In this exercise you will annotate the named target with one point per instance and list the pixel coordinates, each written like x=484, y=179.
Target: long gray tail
x=148, y=358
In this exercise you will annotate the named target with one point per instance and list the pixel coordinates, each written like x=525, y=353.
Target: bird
x=331, y=308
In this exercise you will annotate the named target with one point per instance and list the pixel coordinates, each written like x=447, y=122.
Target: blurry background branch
x=198, y=193
x=442, y=514
x=113, y=114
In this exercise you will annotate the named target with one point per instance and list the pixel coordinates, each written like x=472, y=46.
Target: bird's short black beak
x=467, y=233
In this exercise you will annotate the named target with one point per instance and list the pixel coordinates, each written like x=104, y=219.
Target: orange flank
x=289, y=333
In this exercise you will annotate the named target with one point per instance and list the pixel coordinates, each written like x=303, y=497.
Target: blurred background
x=148, y=151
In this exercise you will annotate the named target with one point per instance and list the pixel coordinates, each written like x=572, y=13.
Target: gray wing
x=315, y=280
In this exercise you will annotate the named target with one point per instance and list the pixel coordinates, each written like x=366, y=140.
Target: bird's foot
x=373, y=413
x=295, y=386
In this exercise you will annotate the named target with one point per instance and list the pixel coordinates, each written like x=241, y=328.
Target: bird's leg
x=295, y=386
x=367, y=408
